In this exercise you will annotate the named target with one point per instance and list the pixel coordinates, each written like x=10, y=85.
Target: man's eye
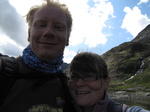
x=60, y=28
x=41, y=25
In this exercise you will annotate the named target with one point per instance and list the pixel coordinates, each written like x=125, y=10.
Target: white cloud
x=134, y=21
x=142, y=1
x=9, y=47
x=68, y=55
x=12, y=24
x=88, y=23
x=23, y=6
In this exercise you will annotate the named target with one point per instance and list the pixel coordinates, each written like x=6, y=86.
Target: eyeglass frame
x=80, y=77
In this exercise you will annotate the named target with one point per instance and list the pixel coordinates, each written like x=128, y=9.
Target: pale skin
x=87, y=94
x=48, y=34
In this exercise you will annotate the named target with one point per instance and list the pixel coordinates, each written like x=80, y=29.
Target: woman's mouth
x=82, y=92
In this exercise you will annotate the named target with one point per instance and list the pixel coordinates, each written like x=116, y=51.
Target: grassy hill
x=125, y=60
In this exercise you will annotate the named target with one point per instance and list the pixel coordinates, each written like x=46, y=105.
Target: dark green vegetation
x=126, y=59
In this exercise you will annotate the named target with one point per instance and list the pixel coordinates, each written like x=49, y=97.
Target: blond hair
x=63, y=7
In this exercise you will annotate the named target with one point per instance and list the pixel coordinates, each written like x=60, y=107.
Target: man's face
x=48, y=34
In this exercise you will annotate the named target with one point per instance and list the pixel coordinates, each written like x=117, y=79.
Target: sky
x=98, y=25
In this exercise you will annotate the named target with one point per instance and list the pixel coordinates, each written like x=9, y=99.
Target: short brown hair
x=63, y=7
x=87, y=62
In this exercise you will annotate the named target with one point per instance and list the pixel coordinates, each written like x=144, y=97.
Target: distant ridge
x=143, y=36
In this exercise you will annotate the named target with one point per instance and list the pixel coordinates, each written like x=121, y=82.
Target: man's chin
x=47, y=57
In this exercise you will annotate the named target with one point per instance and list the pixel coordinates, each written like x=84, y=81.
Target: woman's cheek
x=71, y=85
x=95, y=85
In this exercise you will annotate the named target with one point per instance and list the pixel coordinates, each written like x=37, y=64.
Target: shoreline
x=131, y=98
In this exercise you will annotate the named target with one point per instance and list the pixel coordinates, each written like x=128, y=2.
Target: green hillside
x=125, y=60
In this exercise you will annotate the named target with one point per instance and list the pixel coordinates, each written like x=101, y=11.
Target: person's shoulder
x=7, y=63
x=117, y=107
x=1, y=55
x=136, y=109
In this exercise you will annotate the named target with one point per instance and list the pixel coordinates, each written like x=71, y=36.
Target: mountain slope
x=126, y=59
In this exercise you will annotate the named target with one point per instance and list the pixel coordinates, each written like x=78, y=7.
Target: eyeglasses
x=87, y=77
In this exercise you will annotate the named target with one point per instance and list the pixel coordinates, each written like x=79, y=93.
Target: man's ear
x=29, y=34
x=67, y=42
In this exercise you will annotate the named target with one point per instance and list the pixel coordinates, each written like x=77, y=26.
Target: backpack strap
x=114, y=106
x=8, y=70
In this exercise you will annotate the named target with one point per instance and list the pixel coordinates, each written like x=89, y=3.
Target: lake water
x=141, y=99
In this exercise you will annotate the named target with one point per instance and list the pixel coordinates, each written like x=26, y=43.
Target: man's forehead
x=49, y=9
x=50, y=12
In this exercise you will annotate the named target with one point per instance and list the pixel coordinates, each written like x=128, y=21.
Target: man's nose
x=49, y=31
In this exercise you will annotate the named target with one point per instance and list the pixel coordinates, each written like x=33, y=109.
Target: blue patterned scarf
x=34, y=62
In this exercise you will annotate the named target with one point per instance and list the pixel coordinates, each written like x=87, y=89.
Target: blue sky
x=98, y=25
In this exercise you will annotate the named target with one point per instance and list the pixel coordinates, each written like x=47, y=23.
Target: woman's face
x=87, y=94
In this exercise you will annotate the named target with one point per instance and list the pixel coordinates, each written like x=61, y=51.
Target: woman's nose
x=79, y=82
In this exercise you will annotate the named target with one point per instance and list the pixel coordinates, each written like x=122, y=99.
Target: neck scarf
x=34, y=62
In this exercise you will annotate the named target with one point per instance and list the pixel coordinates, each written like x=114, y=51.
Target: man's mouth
x=48, y=43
